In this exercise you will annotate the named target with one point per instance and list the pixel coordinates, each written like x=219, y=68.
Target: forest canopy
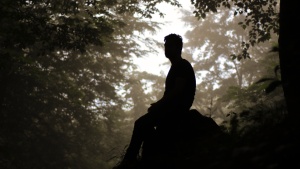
x=69, y=90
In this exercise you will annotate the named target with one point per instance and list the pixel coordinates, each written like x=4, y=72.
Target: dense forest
x=70, y=91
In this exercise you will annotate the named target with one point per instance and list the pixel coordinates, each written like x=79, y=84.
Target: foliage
x=261, y=16
x=256, y=101
x=211, y=43
x=274, y=82
x=61, y=64
x=267, y=135
x=144, y=88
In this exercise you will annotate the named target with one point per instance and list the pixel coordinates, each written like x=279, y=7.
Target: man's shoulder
x=185, y=62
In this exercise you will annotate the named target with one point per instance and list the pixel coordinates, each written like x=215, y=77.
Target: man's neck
x=175, y=60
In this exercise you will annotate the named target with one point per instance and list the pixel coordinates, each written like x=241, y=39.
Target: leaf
x=233, y=56
x=264, y=80
x=276, y=69
x=272, y=86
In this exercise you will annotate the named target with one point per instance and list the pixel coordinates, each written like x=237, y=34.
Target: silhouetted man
x=180, y=86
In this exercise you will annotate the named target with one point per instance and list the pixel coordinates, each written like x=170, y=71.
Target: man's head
x=173, y=45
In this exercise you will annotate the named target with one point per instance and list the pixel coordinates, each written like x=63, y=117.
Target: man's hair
x=175, y=40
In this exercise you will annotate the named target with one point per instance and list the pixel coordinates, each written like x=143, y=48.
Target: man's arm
x=175, y=92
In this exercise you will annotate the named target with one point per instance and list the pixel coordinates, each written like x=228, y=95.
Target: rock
x=187, y=141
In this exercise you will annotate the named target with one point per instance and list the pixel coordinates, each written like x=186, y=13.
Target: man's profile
x=180, y=86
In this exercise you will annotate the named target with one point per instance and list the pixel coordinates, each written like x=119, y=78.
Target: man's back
x=184, y=70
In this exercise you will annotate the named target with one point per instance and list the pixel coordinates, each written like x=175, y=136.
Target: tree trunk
x=289, y=55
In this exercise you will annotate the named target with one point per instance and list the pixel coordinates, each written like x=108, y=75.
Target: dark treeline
x=69, y=91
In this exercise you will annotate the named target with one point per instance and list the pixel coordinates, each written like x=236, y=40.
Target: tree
x=289, y=56
x=263, y=19
x=61, y=64
x=213, y=47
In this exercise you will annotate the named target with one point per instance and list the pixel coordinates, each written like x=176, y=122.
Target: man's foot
x=127, y=164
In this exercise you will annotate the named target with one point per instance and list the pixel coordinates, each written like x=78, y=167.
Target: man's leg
x=142, y=127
